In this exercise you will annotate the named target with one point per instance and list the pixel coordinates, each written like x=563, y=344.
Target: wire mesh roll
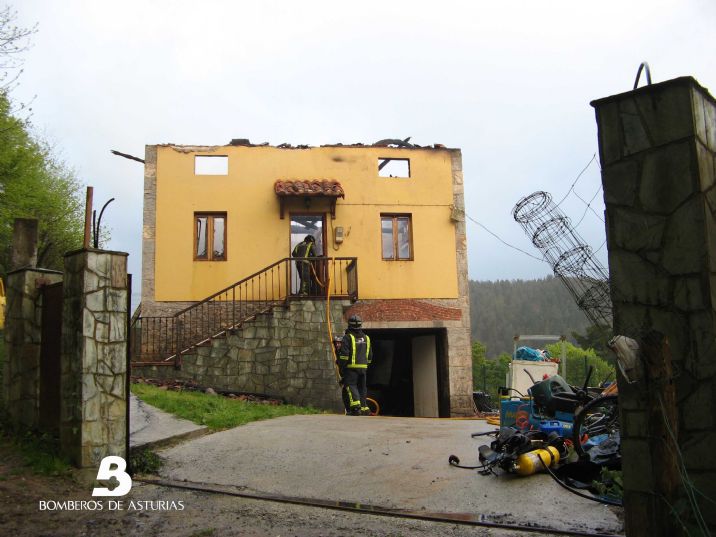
x=571, y=259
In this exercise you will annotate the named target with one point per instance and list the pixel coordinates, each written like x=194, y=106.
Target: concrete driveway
x=396, y=463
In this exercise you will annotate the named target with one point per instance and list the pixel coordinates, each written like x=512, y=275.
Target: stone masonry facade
x=459, y=347
x=94, y=357
x=285, y=353
x=23, y=340
x=658, y=154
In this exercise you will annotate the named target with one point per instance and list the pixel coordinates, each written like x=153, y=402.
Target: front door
x=301, y=226
x=425, y=377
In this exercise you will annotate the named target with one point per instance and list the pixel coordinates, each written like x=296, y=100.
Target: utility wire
x=589, y=206
x=571, y=188
x=502, y=241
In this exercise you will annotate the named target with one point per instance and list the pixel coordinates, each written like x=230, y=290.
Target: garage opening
x=409, y=372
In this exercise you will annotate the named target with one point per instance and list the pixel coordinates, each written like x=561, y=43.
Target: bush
x=488, y=374
x=40, y=451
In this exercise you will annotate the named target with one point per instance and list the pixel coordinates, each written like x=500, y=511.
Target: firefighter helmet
x=355, y=321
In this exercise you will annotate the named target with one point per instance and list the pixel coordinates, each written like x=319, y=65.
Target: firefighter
x=302, y=252
x=354, y=357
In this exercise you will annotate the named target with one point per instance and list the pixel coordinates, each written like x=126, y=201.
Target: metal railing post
x=164, y=337
x=179, y=327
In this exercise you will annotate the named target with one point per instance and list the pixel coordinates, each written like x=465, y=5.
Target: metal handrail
x=163, y=339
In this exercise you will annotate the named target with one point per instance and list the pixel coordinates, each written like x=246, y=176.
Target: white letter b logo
x=105, y=473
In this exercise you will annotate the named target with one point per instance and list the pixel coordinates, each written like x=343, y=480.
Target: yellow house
x=388, y=224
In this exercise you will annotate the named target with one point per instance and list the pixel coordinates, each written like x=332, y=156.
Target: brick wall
x=375, y=311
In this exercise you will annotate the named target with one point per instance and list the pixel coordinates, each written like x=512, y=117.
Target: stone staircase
x=283, y=353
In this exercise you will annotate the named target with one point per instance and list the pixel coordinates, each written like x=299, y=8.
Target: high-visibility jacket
x=356, y=352
x=303, y=249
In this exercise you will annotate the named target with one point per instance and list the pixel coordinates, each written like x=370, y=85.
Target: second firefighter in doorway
x=303, y=251
x=354, y=357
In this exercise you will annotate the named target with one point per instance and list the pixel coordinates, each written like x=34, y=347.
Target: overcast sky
x=507, y=82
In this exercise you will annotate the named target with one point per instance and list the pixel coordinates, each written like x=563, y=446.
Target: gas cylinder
x=529, y=463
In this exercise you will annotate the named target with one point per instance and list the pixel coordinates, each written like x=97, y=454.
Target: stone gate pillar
x=23, y=339
x=94, y=361
x=657, y=146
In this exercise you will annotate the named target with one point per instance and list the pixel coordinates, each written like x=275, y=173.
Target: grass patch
x=208, y=532
x=40, y=452
x=214, y=411
x=145, y=461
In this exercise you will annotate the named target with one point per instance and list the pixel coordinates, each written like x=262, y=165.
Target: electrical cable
x=602, y=246
x=571, y=188
x=594, y=156
x=588, y=207
x=502, y=241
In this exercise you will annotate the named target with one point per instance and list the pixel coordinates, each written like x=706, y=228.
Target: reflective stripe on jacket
x=301, y=250
x=356, y=352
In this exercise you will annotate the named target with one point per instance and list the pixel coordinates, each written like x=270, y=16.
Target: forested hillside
x=503, y=308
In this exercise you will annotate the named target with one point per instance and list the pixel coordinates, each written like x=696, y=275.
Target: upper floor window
x=396, y=237
x=211, y=165
x=393, y=167
x=210, y=236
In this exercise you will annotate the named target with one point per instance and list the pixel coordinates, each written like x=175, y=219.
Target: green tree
x=488, y=374
x=33, y=182
x=500, y=309
x=596, y=337
x=578, y=362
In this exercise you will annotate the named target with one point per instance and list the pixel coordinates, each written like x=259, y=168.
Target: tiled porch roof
x=309, y=188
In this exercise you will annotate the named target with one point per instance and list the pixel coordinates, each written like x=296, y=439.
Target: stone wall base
x=287, y=354
x=284, y=354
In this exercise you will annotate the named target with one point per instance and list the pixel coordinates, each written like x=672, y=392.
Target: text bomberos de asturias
x=111, y=505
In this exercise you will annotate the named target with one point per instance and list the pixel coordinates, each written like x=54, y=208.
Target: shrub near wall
x=489, y=374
